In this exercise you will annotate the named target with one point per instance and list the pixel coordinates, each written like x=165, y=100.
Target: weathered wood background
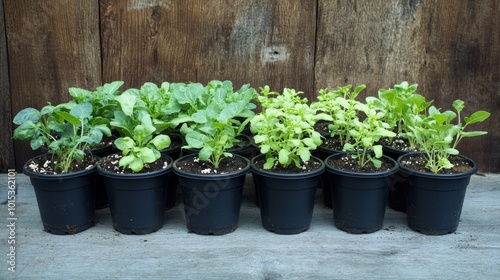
x=450, y=48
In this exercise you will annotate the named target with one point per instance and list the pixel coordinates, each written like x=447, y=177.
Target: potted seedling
x=136, y=177
x=103, y=105
x=359, y=176
x=163, y=107
x=63, y=178
x=402, y=107
x=339, y=105
x=438, y=175
x=213, y=118
x=285, y=173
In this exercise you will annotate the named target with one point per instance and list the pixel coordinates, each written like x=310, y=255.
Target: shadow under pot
x=137, y=200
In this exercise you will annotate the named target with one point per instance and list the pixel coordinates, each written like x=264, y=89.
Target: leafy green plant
x=285, y=127
x=161, y=104
x=438, y=136
x=401, y=104
x=340, y=105
x=139, y=140
x=66, y=130
x=213, y=116
x=102, y=99
x=367, y=127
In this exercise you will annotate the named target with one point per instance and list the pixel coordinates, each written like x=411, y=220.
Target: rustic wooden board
x=52, y=45
x=6, y=144
x=449, y=48
x=256, y=42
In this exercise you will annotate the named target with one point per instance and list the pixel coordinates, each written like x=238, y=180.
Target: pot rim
x=429, y=174
x=143, y=175
x=292, y=176
x=61, y=176
x=211, y=176
x=385, y=173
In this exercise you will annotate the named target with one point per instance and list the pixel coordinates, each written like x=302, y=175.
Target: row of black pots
x=432, y=202
x=212, y=203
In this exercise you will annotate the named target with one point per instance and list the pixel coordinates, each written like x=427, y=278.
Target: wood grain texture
x=449, y=48
x=6, y=144
x=52, y=45
x=256, y=42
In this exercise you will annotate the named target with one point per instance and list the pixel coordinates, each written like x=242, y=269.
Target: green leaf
x=126, y=160
x=27, y=114
x=205, y=153
x=47, y=110
x=25, y=131
x=141, y=132
x=82, y=110
x=146, y=155
x=309, y=142
x=304, y=154
x=68, y=117
x=452, y=151
x=473, y=133
x=200, y=116
x=229, y=112
x=78, y=154
x=195, y=139
x=458, y=105
x=111, y=88
x=136, y=165
x=264, y=149
x=127, y=101
x=124, y=143
x=80, y=94
x=283, y=156
x=36, y=143
x=377, y=149
x=269, y=163
x=476, y=117
x=161, y=141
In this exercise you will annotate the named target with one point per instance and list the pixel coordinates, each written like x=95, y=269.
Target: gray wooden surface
x=323, y=252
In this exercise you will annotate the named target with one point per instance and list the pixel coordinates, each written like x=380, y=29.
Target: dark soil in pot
x=322, y=127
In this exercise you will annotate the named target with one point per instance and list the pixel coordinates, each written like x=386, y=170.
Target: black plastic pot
x=396, y=195
x=212, y=202
x=137, y=200
x=434, y=201
x=101, y=197
x=66, y=201
x=359, y=199
x=323, y=153
x=286, y=200
x=173, y=180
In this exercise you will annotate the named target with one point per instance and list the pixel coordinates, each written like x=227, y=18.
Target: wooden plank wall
x=6, y=145
x=52, y=45
x=450, y=48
